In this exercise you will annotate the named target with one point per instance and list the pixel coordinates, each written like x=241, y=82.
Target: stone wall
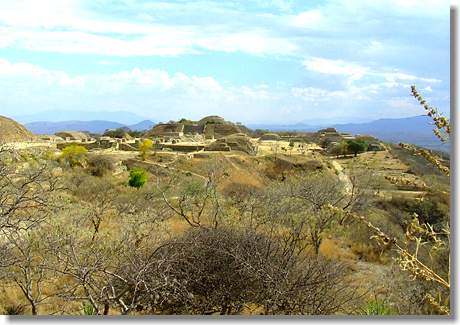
x=193, y=129
x=182, y=147
x=103, y=144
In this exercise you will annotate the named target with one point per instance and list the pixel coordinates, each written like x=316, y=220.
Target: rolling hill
x=97, y=126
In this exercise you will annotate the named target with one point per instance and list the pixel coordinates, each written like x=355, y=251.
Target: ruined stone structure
x=73, y=135
x=211, y=127
x=270, y=137
x=234, y=142
x=166, y=130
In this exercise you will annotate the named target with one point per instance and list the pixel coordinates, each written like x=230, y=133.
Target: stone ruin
x=211, y=127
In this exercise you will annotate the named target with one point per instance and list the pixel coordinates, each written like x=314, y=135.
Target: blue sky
x=279, y=61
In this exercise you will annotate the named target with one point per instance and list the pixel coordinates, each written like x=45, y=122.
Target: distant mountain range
x=96, y=126
x=417, y=130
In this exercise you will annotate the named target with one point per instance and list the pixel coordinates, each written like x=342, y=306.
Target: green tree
x=74, y=155
x=339, y=149
x=137, y=177
x=116, y=133
x=356, y=147
x=145, y=147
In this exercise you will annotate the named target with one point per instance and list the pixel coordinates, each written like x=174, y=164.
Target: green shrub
x=74, y=155
x=355, y=146
x=14, y=310
x=376, y=308
x=88, y=310
x=137, y=177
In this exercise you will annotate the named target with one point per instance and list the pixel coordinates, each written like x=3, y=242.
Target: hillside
x=208, y=214
x=11, y=131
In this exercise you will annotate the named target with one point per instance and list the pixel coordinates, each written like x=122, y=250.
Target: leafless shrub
x=28, y=271
x=224, y=271
x=25, y=190
x=98, y=195
x=28, y=186
x=99, y=165
x=198, y=202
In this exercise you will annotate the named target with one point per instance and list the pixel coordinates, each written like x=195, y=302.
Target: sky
x=260, y=61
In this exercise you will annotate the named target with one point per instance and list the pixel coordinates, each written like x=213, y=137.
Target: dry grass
x=333, y=248
x=366, y=252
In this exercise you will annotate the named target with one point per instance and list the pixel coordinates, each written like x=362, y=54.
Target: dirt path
x=231, y=162
x=342, y=176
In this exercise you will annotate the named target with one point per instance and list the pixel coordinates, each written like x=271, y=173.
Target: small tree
x=74, y=155
x=291, y=147
x=100, y=165
x=274, y=148
x=137, y=177
x=339, y=149
x=145, y=147
x=357, y=146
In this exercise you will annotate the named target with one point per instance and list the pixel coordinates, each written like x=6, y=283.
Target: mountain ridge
x=94, y=126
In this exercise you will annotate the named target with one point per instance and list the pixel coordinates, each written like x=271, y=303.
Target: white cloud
x=370, y=44
x=396, y=75
x=420, y=8
x=140, y=90
x=336, y=67
x=106, y=62
x=354, y=72
x=71, y=26
x=257, y=42
x=306, y=19
x=428, y=88
x=66, y=27
x=313, y=94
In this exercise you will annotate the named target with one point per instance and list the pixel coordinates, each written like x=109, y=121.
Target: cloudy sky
x=279, y=61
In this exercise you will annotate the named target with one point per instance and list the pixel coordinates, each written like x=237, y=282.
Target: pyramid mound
x=210, y=127
x=270, y=137
x=12, y=131
x=212, y=119
x=165, y=129
x=220, y=130
x=72, y=135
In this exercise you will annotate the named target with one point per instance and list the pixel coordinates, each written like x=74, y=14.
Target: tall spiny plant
x=442, y=124
x=418, y=234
